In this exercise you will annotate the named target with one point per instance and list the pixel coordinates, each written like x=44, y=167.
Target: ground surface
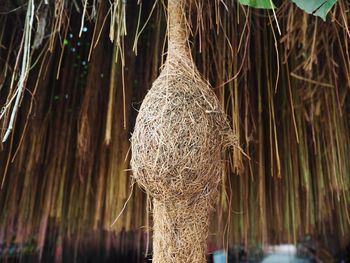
x=284, y=258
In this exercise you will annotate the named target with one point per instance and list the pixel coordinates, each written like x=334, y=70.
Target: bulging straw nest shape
x=177, y=150
x=180, y=131
x=179, y=136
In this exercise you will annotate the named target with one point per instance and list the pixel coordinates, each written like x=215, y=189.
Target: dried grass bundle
x=177, y=150
x=287, y=97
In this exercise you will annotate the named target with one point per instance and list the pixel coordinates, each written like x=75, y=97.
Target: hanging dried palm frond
x=68, y=109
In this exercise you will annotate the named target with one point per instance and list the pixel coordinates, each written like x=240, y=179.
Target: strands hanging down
x=64, y=166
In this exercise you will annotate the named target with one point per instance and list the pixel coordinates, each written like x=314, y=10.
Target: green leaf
x=265, y=4
x=316, y=7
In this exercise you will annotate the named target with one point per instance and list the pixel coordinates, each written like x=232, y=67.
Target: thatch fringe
x=63, y=168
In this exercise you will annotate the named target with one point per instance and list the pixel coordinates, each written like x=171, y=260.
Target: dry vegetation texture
x=68, y=110
x=177, y=150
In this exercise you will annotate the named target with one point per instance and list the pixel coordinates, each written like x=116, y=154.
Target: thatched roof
x=71, y=95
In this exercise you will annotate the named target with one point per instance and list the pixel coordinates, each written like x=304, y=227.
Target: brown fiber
x=177, y=150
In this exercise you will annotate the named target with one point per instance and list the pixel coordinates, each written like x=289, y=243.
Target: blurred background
x=73, y=74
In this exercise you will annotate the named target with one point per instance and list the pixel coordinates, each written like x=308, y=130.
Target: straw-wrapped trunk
x=64, y=167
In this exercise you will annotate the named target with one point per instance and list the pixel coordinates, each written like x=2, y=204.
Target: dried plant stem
x=177, y=150
x=178, y=235
x=27, y=36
